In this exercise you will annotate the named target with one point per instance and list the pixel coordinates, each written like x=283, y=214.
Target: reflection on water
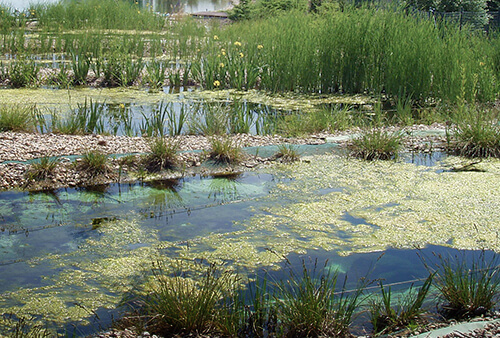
x=160, y=6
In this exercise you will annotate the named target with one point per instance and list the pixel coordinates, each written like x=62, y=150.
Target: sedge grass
x=43, y=168
x=224, y=151
x=467, y=287
x=163, y=154
x=17, y=118
x=94, y=162
x=376, y=144
x=287, y=153
x=386, y=318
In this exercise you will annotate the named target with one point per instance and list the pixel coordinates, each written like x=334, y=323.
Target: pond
x=69, y=254
x=161, y=6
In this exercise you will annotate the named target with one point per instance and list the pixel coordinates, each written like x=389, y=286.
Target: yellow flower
x=216, y=83
x=237, y=44
x=122, y=106
x=481, y=63
x=221, y=65
x=139, y=12
x=241, y=55
x=216, y=37
x=260, y=47
x=223, y=53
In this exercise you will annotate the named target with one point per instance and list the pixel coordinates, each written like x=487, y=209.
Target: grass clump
x=376, y=145
x=287, y=153
x=477, y=134
x=163, y=154
x=224, y=151
x=16, y=118
x=468, y=288
x=43, y=168
x=309, y=307
x=94, y=162
x=179, y=302
x=386, y=318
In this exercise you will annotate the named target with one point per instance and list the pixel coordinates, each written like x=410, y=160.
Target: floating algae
x=329, y=204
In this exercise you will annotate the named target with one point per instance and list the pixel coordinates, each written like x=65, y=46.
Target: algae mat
x=325, y=203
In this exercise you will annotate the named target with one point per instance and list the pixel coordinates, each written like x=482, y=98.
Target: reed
x=376, y=145
x=17, y=118
x=224, y=151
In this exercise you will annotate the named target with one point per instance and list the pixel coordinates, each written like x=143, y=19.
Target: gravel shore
x=17, y=149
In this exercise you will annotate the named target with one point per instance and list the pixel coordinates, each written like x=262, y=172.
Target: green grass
x=287, y=153
x=476, y=133
x=224, y=151
x=94, y=162
x=468, y=287
x=178, y=302
x=163, y=154
x=17, y=118
x=387, y=318
x=43, y=168
x=376, y=144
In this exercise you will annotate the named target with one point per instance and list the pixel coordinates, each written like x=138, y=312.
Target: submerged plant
x=408, y=311
x=467, y=287
x=376, y=145
x=224, y=151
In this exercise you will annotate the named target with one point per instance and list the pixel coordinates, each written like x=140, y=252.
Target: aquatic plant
x=386, y=318
x=163, y=154
x=376, y=144
x=308, y=306
x=287, y=153
x=476, y=133
x=42, y=168
x=209, y=119
x=224, y=151
x=80, y=64
x=178, y=302
x=86, y=118
x=17, y=118
x=23, y=327
x=94, y=162
x=22, y=72
x=468, y=286
x=155, y=74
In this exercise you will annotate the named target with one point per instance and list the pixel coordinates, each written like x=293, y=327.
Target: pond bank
x=18, y=150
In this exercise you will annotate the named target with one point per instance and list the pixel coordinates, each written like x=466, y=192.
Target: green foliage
x=476, y=133
x=16, y=118
x=80, y=65
x=94, y=162
x=155, y=74
x=163, y=154
x=468, y=287
x=178, y=302
x=408, y=311
x=308, y=306
x=223, y=151
x=42, y=168
x=22, y=72
x=85, y=119
x=376, y=145
x=287, y=153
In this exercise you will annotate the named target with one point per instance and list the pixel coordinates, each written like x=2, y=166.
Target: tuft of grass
x=287, y=153
x=179, y=302
x=94, y=162
x=224, y=151
x=467, y=288
x=163, y=154
x=477, y=134
x=309, y=307
x=376, y=145
x=42, y=168
x=17, y=118
x=409, y=310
